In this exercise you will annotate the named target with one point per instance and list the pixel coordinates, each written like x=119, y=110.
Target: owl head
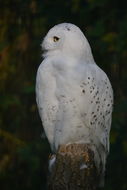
x=66, y=39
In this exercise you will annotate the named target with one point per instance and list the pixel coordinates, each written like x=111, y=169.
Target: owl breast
x=75, y=99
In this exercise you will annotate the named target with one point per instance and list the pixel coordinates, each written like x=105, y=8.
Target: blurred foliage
x=23, y=24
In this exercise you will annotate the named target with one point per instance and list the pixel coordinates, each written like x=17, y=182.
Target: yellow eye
x=55, y=38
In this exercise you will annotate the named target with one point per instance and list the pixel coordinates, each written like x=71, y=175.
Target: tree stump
x=74, y=169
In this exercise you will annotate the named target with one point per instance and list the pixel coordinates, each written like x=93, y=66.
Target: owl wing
x=45, y=98
x=98, y=100
x=97, y=110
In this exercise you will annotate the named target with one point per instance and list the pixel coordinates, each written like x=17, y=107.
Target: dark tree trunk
x=74, y=169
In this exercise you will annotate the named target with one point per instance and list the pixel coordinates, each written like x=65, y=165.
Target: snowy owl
x=74, y=96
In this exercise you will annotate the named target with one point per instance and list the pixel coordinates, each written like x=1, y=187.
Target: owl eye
x=55, y=38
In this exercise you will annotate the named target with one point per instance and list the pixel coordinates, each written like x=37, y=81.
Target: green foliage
x=23, y=24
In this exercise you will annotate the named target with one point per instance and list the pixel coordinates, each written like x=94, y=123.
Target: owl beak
x=43, y=48
x=45, y=52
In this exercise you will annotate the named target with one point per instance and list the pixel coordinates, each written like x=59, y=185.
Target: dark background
x=23, y=24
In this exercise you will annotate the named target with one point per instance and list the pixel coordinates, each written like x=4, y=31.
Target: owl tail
x=103, y=157
x=100, y=162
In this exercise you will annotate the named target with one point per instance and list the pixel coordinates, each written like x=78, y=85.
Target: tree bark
x=73, y=169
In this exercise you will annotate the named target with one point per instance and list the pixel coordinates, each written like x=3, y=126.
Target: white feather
x=52, y=161
x=83, y=166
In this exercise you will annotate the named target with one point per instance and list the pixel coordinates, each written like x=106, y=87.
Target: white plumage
x=74, y=96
